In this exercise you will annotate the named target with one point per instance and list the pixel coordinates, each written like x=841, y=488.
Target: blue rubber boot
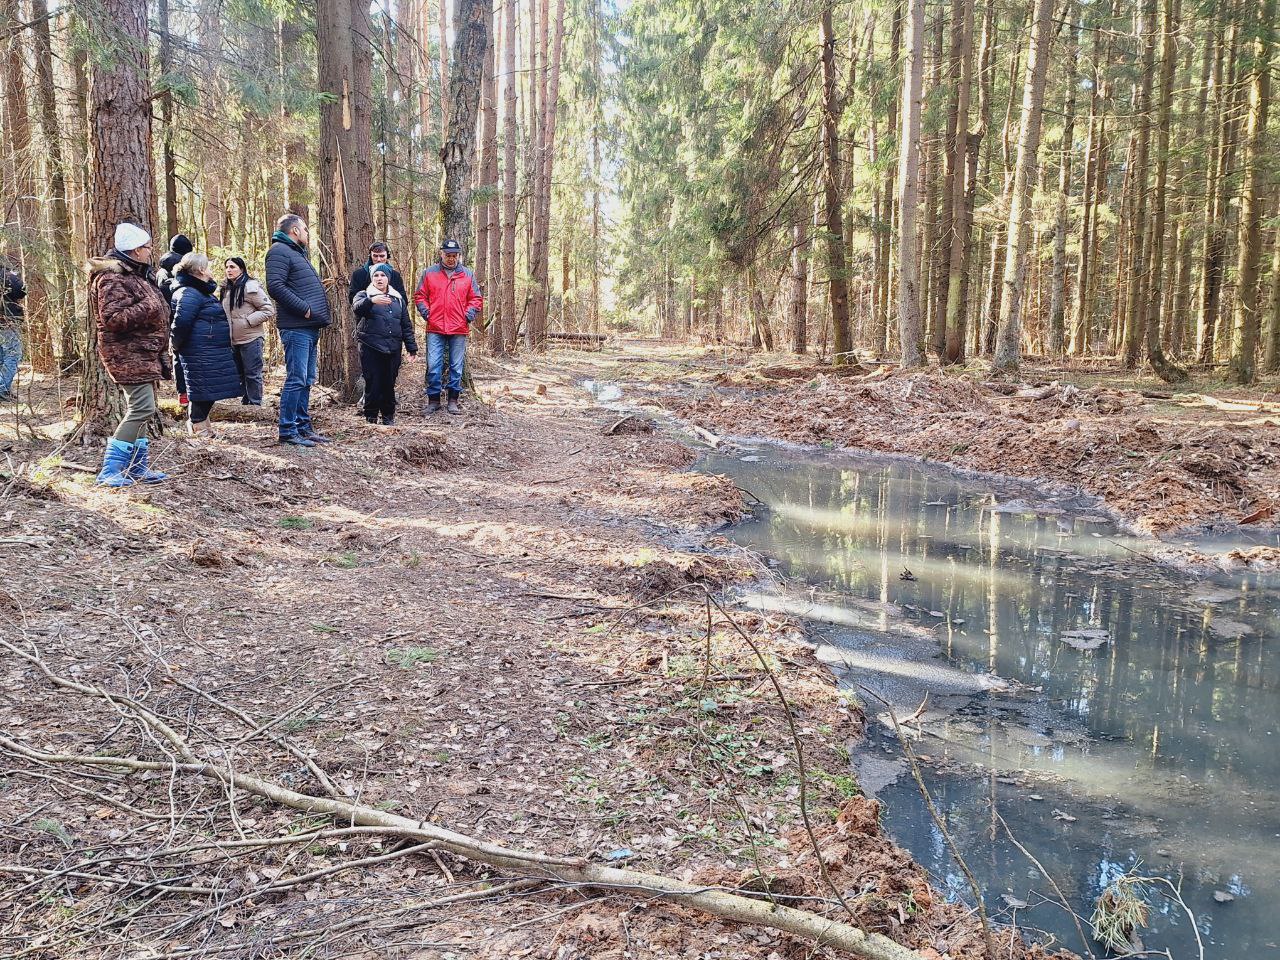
x=138, y=468
x=116, y=464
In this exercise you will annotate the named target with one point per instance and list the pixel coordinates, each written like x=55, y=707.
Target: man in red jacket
x=448, y=300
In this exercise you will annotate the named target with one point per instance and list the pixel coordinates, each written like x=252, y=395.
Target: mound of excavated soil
x=1156, y=465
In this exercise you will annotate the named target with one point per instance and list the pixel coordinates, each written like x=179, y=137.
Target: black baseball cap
x=451, y=246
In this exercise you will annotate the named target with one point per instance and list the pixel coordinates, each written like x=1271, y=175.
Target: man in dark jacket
x=11, y=314
x=166, y=280
x=179, y=246
x=302, y=311
x=363, y=276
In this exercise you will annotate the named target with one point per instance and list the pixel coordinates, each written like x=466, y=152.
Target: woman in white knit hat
x=132, y=318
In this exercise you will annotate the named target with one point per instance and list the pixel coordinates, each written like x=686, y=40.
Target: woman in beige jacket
x=248, y=308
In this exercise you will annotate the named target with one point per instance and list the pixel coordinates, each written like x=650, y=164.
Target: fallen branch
x=575, y=870
x=710, y=438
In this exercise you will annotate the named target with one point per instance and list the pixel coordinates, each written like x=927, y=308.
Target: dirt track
x=449, y=620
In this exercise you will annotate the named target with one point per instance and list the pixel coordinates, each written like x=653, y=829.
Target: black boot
x=433, y=404
x=453, y=403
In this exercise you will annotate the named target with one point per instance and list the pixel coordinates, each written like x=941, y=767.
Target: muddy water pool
x=1156, y=751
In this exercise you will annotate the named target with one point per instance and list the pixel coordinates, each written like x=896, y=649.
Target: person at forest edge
x=448, y=300
x=248, y=308
x=202, y=342
x=11, y=314
x=132, y=319
x=302, y=312
x=384, y=327
x=179, y=246
x=363, y=276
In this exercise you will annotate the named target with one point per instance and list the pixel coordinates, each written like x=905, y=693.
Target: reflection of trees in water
x=1187, y=698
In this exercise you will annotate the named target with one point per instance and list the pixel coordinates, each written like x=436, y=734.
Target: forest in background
x=960, y=179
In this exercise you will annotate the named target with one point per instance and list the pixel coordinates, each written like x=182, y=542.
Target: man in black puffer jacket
x=363, y=276
x=302, y=311
x=167, y=281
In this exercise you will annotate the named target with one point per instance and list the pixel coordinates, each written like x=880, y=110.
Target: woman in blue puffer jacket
x=202, y=342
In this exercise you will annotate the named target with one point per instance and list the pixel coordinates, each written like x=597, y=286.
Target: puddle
x=1119, y=713
x=604, y=392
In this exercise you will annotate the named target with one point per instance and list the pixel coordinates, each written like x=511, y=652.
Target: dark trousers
x=248, y=357
x=380, y=371
x=200, y=410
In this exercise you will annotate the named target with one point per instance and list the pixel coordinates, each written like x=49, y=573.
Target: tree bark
x=910, y=327
x=40, y=351
x=123, y=182
x=487, y=266
x=1248, y=305
x=1214, y=251
x=1165, y=370
x=837, y=270
x=1133, y=316
x=1058, y=281
x=62, y=272
x=1009, y=337
x=962, y=169
x=459, y=149
x=505, y=338
x=345, y=176
x=800, y=242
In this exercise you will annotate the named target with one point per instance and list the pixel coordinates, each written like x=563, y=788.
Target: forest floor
x=494, y=622
x=1202, y=457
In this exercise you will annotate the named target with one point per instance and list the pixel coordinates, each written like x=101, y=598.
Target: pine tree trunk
x=505, y=338
x=837, y=270
x=910, y=328
x=1082, y=318
x=446, y=91
x=123, y=183
x=1133, y=317
x=345, y=176
x=1058, y=282
x=800, y=242
x=62, y=266
x=1215, y=240
x=487, y=266
x=1159, y=203
x=1248, y=305
x=458, y=152
x=39, y=338
x=550, y=94
x=1271, y=348
x=961, y=174
x=1009, y=338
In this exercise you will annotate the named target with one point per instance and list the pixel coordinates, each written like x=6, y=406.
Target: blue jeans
x=10, y=356
x=301, y=359
x=437, y=343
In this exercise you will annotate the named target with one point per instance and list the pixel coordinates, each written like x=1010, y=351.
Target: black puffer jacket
x=166, y=280
x=202, y=340
x=295, y=286
x=15, y=292
x=384, y=328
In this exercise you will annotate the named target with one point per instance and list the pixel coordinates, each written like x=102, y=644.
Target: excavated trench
x=1119, y=715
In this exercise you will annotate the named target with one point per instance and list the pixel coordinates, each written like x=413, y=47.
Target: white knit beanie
x=130, y=236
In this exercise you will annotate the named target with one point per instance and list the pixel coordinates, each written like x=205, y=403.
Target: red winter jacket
x=448, y=302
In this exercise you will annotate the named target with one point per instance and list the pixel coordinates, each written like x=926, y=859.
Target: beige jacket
x=248, y=320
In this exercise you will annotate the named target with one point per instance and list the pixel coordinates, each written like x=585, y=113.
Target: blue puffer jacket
x=202, y=340
x=295, y=286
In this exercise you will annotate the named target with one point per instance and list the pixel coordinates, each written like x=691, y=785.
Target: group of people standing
x=210, y=337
